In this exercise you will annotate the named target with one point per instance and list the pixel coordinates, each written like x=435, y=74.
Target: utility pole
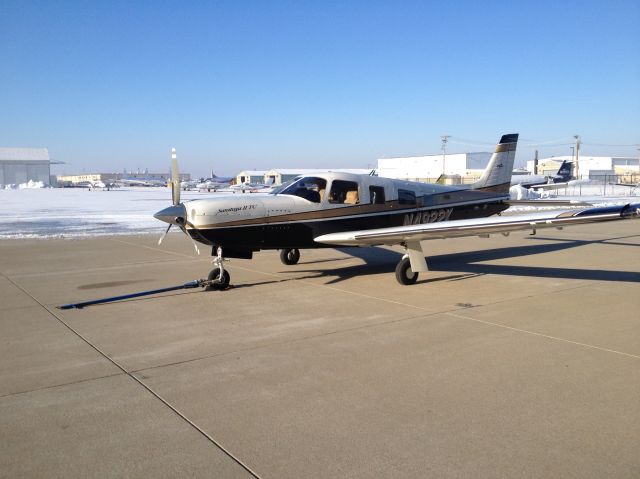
x=444, y=139
x=577, y=137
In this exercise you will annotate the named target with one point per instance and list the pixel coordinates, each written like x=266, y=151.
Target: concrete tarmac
x=513, y=357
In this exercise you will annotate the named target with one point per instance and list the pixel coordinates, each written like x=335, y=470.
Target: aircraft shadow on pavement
x=473, y=263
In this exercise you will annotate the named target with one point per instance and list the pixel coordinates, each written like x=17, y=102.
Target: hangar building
x=279, y=176
x=467, y=166
x=19, y=165
x=590, y=167
x=250, y=176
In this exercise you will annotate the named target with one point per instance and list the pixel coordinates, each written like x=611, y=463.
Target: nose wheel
x=289, y=256
x=219, y=278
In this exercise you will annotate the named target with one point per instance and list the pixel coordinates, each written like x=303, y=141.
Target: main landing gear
x=219, y=277
x=289, y=256
x=412, y=263
x=404, y=273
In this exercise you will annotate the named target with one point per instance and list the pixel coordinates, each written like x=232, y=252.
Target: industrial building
x=465, y=167
x=279, y=176
x=250, y=176
x=590, y=167
x=145, y=175
x=76, y=180
x=19, y=165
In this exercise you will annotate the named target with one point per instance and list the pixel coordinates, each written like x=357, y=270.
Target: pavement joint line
x=282, y=343
x=444, y=312
x=54, y=386
x=542, y=335
x=430, y=313
x=145, y=386
x=182, y=255
x=99, y=269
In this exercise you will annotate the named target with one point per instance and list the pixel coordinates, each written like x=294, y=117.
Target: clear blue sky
x=260, y=84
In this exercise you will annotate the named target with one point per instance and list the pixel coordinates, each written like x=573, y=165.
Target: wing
x=480, y=226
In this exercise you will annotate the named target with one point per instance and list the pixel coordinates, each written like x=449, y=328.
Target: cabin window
x=376, y=195
x=344, y=192
x=310, y=188
x=406, y=197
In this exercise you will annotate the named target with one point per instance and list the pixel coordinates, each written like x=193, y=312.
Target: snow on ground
x=79, y=212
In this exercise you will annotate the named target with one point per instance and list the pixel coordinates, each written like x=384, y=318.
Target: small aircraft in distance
x=98, y=184
x=213, y=183
x=335, y=209
x=142, y=182
x=249, y=187
x=528, y=180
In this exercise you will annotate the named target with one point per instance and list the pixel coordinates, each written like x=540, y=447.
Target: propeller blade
x=195, y=245
x=164, y=234
x=180, y=221
x=175, y=178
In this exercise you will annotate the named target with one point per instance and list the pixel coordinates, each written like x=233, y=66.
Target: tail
x=564, y=172
x=497, y=175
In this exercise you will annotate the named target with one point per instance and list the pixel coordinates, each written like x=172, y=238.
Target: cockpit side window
x=310, y=188
x=344, y=192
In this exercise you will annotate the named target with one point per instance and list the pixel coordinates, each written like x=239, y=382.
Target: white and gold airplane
x=335, y=209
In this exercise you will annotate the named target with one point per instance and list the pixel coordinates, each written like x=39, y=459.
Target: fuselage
x=293, y=215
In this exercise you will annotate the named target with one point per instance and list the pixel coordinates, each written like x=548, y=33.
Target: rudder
x=497, y=174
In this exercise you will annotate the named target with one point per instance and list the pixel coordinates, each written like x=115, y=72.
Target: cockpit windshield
x=311, y=188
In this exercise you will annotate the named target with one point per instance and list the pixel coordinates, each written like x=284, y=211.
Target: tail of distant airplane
x=497, y=175
x=564, y=173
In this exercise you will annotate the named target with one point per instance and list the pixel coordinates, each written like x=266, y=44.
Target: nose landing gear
x=219, y=277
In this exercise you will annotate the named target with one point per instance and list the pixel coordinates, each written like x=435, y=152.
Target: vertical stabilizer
x=564, y=172
x=497, y=174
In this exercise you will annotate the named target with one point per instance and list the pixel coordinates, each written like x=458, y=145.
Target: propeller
x=177, y=213
x=175, y=178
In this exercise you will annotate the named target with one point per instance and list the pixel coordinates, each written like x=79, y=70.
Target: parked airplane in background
x=332, y=209
x=212, y=184
x=142, y=182
x=250, y=187
x=527, y=180
x=97, y=184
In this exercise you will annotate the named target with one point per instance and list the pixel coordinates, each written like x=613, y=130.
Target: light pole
x=444, y=139
x=577, y=137
x=573, y=150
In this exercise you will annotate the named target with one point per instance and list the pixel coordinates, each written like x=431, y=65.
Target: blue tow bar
x=191, y=284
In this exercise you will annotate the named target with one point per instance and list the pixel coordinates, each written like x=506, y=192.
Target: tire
x=289, y=256
x=404, y=275
x=213, y=275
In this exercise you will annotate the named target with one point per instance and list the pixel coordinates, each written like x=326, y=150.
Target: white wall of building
x=590, y=166
x=430, y=167
x=19, y=165
x=250, y=176
x=277, y=176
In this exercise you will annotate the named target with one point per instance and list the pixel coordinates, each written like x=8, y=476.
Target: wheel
x=213, y=275
x=404, y=275
x=289, y=256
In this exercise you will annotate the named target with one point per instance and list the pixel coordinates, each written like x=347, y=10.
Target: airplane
x=527, y=180
x=188, y=184
x=250, y=187
x=212, y=183
x=141, y=182
x=98, y=184
x=335, y=209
